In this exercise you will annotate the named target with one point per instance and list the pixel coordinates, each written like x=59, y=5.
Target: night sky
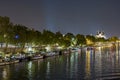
x=75, y=16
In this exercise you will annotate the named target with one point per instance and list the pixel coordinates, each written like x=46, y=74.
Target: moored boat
x=37, y=57
x=2, y=63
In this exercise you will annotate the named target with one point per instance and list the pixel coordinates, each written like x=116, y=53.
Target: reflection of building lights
x=88, y=63
x=30, y=69
x=99, y=48
x=4, y=73
x=29, y=65
x=48, y=67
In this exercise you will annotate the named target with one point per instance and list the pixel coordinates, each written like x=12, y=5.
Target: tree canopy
x=19, y=34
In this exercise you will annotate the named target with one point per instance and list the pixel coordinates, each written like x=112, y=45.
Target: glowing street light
x=16, y=36
x=30, y=49
x=48, y=48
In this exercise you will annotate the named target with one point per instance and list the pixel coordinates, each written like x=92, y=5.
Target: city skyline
x=75, y=16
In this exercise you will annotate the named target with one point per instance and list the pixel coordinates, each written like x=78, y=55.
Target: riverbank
x=31, y=57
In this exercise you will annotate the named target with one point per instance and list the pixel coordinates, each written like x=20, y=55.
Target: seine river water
x=98, y=64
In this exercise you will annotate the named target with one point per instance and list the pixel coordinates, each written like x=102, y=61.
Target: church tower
x=100, y=34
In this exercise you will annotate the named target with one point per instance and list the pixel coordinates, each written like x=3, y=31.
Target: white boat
x=66, y=51
x=2, y=63
x=37, y=57
x=16, y=61
x=7, y=63
x=49, y=54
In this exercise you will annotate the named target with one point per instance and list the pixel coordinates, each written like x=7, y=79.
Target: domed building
x=100, y=34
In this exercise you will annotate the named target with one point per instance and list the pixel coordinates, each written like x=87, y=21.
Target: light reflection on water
x=5, y=74
x=100, y=63
x=87, y=64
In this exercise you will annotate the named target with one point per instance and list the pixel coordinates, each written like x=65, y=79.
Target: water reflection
x=48, y=69
x=87, y=68
x=29, y=70
x=100, y=63
x=89, y=64
x=5, y=73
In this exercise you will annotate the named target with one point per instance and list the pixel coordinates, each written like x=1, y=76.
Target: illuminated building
x=100, y=34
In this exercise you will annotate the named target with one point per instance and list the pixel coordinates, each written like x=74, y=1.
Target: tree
x=70, y=38
x=113, y=38
x=37, y=38
x=5, y=30
x=80, y=39
x=59, y=38
x=90, y=39
x=20, y=35
x=48, y=37
x=100, y=40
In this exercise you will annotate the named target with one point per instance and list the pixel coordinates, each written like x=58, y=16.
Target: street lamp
x=16, y=36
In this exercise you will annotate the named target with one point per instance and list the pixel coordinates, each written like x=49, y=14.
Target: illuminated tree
x=113, y=38
x=90, y=39
x=5, y=30
x=81, y=40
x=48, y=37
x=69, y=37
x=100, y=39
x=20, y=35
x=59, y=38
